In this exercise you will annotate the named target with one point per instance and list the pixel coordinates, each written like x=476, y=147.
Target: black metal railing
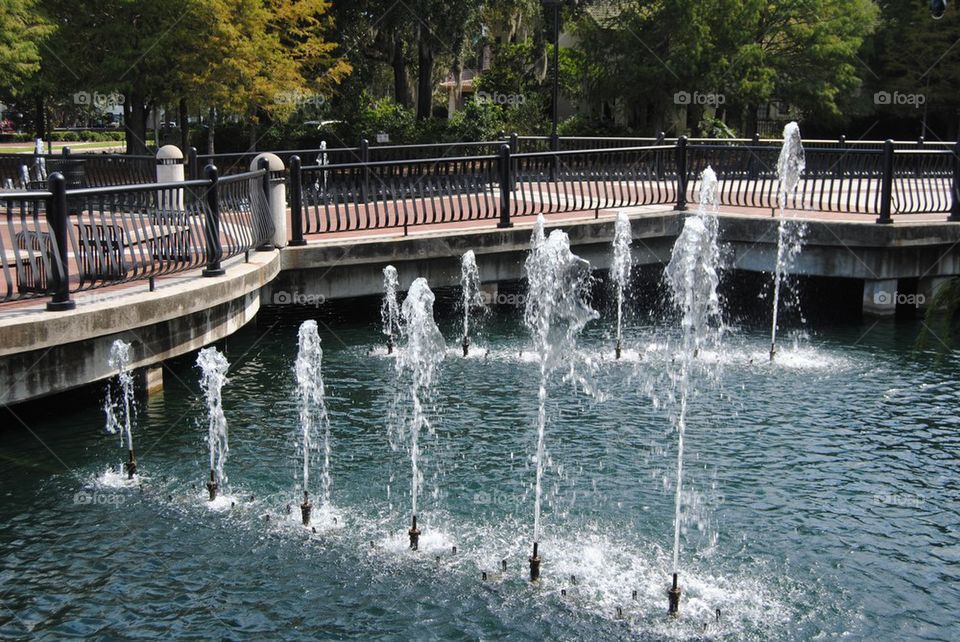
x=849, y=179
x=394, y=194
x=59, y=241
x=30, y=171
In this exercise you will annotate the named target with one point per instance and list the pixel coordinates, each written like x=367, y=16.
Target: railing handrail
x=587, y=152
x=139, y=187
x=402, y=161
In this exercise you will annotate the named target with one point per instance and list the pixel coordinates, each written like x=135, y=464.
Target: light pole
x=556, y=6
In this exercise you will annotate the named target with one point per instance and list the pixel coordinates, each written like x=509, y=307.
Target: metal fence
x=59, y=241
x=30, y=171
x=381, y=195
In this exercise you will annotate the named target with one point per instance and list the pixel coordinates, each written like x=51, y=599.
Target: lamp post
x=555, y=5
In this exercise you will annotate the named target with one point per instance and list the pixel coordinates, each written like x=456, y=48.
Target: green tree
x=22, y=29
x=915, y=56
x=748, y=51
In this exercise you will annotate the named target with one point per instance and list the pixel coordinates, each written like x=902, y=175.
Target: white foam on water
x=220, y=504
x=115, y=478
x=433, y=541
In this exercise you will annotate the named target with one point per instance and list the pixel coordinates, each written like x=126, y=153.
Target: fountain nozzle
x=305, y=508
x=131, y=465
x=466, y=345
x=212, y=486
x=390, y=343
x=535, y=563
x=674, y=596
x=414, y=533
x=773, y=351
x=619, y=348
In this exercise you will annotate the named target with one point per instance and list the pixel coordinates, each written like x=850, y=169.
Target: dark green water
x=824, y=500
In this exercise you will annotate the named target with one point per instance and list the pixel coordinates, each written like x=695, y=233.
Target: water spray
x=472, y=298
x=389, y=310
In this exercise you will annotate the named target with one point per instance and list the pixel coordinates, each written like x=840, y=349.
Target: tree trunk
x=401, y=89
x=184, y=118
x=136, y=124
x=457, y=71
x=211, y=129
x=156, y=126
x=425, y=77
x=41, y=117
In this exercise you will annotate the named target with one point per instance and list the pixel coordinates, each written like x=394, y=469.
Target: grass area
x=14, y=148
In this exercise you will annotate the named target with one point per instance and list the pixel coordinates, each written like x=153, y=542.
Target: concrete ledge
x=344, y=268
x=43, y=353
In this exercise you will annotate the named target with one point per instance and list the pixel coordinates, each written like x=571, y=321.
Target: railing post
x=296, y=203
x=506, y=183
x=658, y=155
x=59, y=275
x=264, y=164
x=886, y=190
x=555, y=147
x=955, y=192
x=752, y=169
x=918, y=166
x=212, y=228
x=842, y=146
x=193, y=163
x=365, y=158
x=514, y=149
x=681, y=174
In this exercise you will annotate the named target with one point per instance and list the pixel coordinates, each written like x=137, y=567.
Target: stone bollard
x=170, y=170
x=278, y=196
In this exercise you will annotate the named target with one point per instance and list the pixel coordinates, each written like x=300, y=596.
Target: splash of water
x=119, y=413
x=557, y=309
x=472, y=300
x=213, y=375
x=389, y=309
x=693, y=280
x=416, y=368
x=620, y=270
x=790, y=168
x=314, y=421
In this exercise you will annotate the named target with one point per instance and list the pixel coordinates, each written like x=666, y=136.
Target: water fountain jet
x=416, y=366
x=693, y=280
x=213, y=367
x=119, y=360
x=389, y=309
x=314, y=420
x=790, y=166
x=472, y=297
x=620, y=269
x=557, y=309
